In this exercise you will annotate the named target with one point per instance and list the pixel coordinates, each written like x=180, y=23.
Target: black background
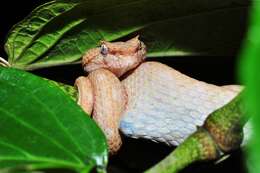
x=137, y=155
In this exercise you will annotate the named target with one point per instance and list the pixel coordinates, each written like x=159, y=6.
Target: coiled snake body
x=153, y=101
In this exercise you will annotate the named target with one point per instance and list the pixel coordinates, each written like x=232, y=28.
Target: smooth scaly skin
x=167, y=106
x=74, y=94
x=112, y=108
x=221, y=133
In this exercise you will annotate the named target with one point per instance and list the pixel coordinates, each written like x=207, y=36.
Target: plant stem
x=4, y=63
x=221, y=133
x=226, y=124
x=191, y=150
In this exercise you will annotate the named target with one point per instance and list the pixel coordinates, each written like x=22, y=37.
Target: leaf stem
x=198, y=147
x=4, y=63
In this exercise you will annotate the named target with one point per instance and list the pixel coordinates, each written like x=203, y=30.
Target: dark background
x=137, y=155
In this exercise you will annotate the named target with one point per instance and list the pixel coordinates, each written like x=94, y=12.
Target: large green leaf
x=169, y=27
x=41, y=126
x=249, y=67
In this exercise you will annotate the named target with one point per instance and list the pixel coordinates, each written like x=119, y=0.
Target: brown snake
x=144, y=99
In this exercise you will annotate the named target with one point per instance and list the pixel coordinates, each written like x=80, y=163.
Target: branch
x=221, y=133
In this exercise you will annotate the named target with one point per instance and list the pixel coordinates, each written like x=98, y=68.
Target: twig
x=4, y=63
x=221, y=133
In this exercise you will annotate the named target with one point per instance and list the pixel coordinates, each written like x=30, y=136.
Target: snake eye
x=104, y=49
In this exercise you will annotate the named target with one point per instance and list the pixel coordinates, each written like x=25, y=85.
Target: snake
x=127, y=95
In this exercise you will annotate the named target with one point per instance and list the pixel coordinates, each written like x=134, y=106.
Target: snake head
x=117, y=57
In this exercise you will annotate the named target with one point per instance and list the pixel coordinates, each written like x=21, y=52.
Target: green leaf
x=24, y=33
x=168, y=27
x=249, y=72
x=42, y=127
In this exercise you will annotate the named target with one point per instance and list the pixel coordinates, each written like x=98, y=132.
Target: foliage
x=43, y=39
x=60, y=31
x=42, y=127
x=249, y=72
